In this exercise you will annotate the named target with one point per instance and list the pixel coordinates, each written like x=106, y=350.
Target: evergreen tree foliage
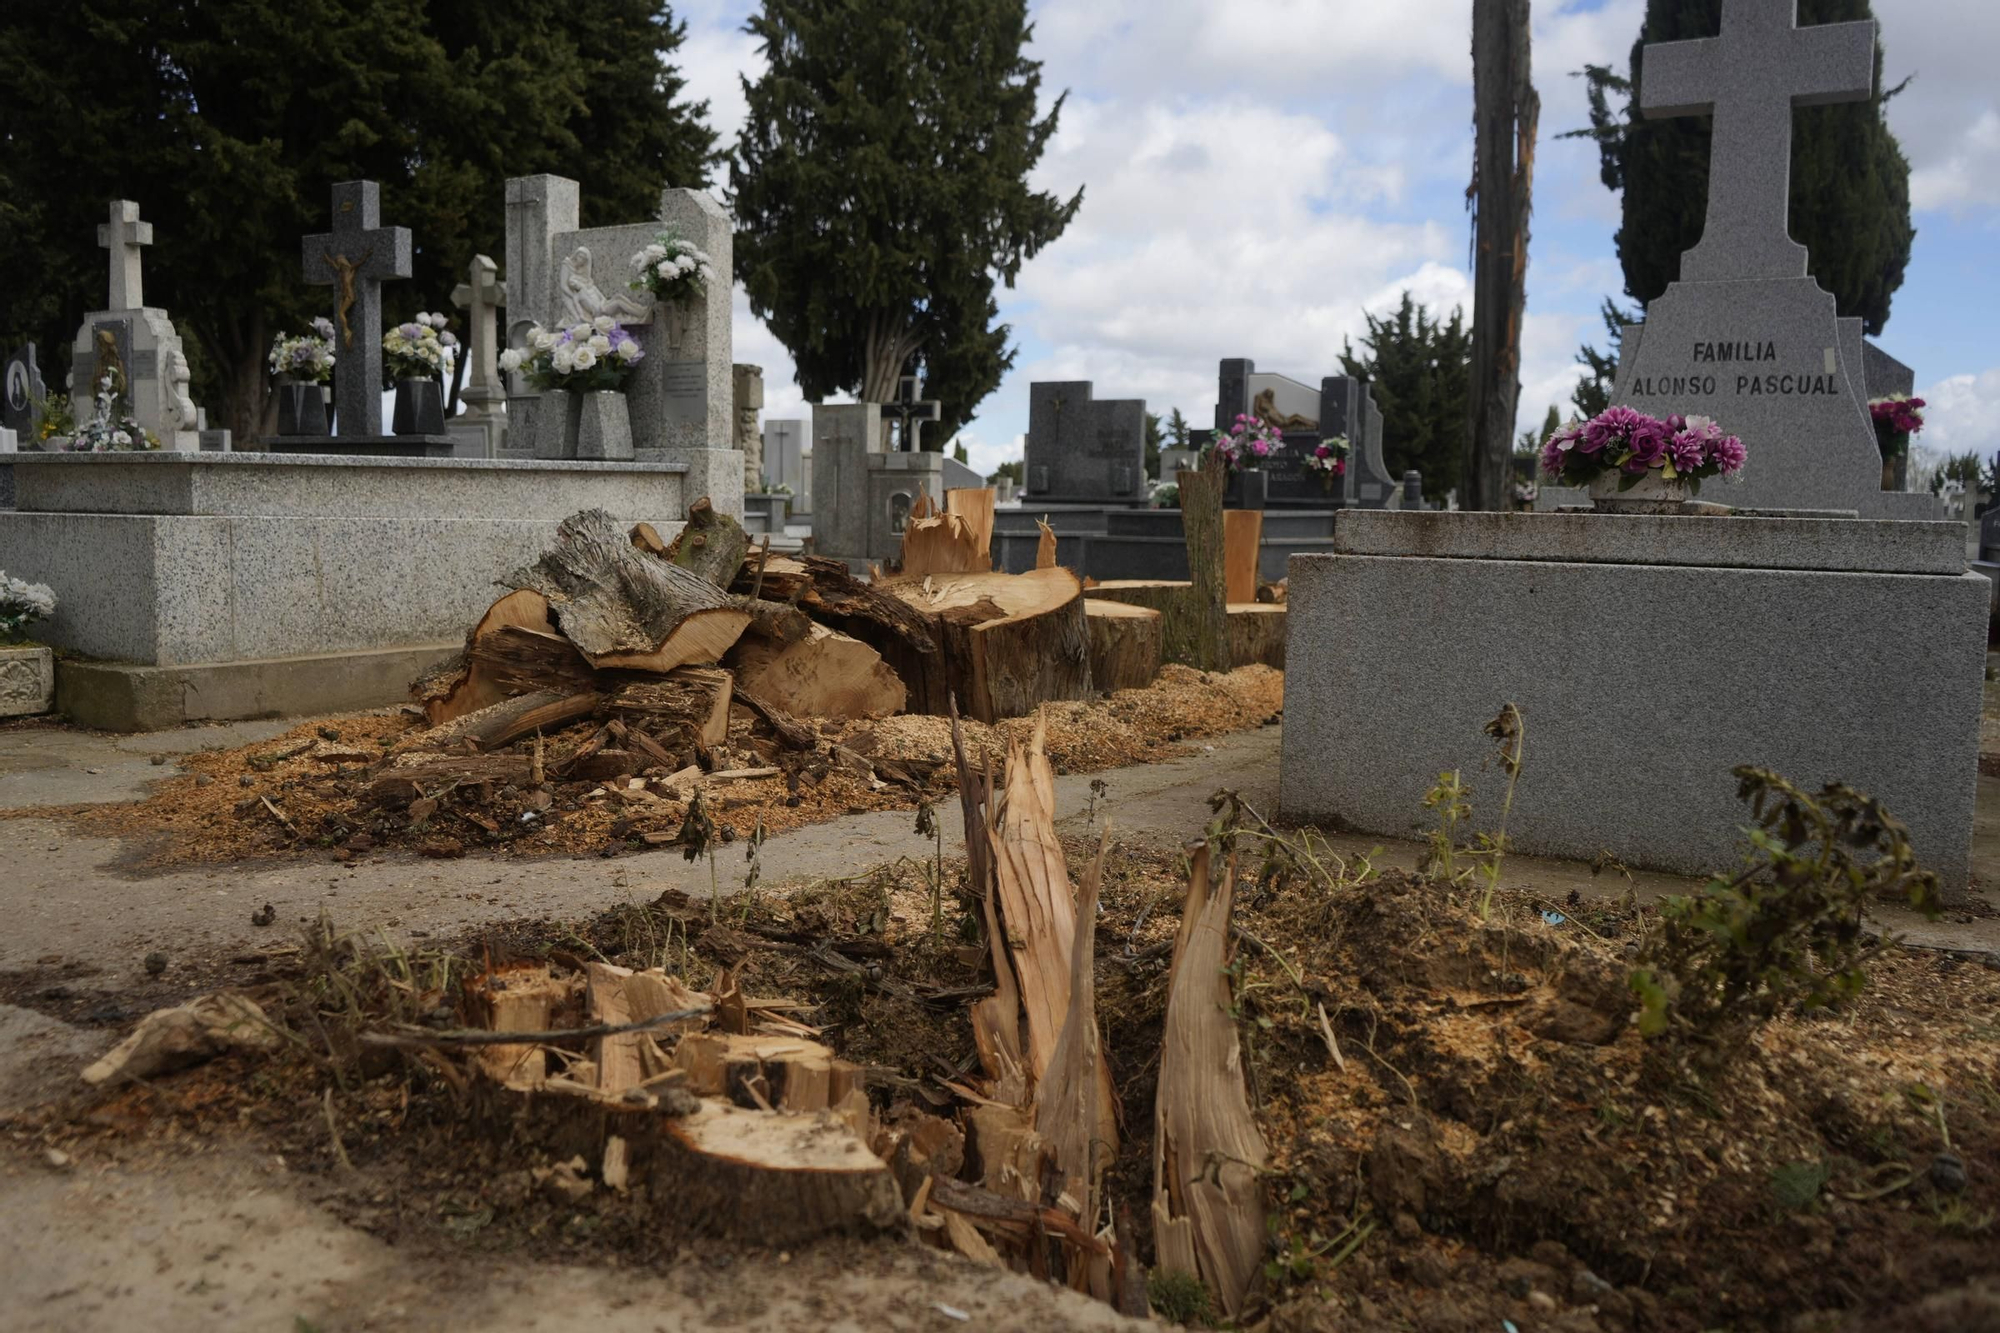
x=1153, y=438
x=1176, y=430
x=1850, y=188
x=1417, y=368
x=229, y=122
x=880, y=191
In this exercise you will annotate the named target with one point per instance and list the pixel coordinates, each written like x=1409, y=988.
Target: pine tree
x=1153, y=438
x=1850, y=188
x=880, y=191
x=1417, y=368
x=229, y=121
x=1177, y=429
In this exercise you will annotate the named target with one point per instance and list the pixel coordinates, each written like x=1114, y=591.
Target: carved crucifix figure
x=354, y=259
x=1749, y=78
x=914, y=413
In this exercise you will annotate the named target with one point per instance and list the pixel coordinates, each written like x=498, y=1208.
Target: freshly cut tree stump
x=826, y=674
x=787, y=1073
x=1257, y=634
x=1125, y=644
x=624, y=608
x=773, y=1177
x=521, y=998
x=466, y=684
x=1010, y=642
x=1178, y=605
x=1242, y=544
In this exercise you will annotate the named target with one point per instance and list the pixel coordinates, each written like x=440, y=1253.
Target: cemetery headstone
x=1084, y=451
x=483, y=424
x=1746, y=336
x=911, y=414
x=24, y=393
x=136, y=341
x=862, y=494
x=355, y=258
x=785, y=458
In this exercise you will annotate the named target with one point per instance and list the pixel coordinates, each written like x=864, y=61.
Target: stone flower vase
x=1652, y=494
x=27, y=679
x=1253, y=488
x=593, y=425
x=302, y=409
x=419, y=408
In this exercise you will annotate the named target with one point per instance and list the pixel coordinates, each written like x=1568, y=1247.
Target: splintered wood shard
x=1073, y=1115
x=1208, y=1204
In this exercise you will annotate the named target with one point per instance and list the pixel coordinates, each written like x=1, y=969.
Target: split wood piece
x=1045, y=545
x=1017, y=1217
x=918, y=1146
x=1074, y=1113
x=778, y=623
x=1278, y=592
x=507, y=721
x=623, y=608
x=417, y=774
x=973, y=506
x=1257, y=634
x=710, y=544
x=996, y=1018
x=647, y=538
x=791, y=733
x=1242, y=544
x=826, y=674
x=462, y=685
x=1175, y=600
x=785, y=1073
x=618, y=995
x=187, y=1034
x=947, y=543
x=774, y=1178
x=965, y=1238
x=827, y=590
x=778, y=578
x=687, y=700
x=1208, y=1202
x=1037, y=905
x=519, y=998
x=1002, y=1145
x=1201, y=523
x=1010, y=642
x=1126, y=643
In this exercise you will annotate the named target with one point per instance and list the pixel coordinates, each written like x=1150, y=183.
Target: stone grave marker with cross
x=1083, y=450
x=1745, y=336
x=133, y=341
x=355, y=258
x=483, y=425
x=911, y=414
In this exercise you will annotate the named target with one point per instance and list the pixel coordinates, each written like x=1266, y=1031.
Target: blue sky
x=1260, y=173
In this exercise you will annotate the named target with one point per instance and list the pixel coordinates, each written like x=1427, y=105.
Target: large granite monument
x=862, y=493
x=1746, y=336
x=135, y=340
x=1082, y=450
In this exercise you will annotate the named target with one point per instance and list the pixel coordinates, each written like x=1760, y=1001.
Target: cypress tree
x=1850, y=186
x=1418, y=368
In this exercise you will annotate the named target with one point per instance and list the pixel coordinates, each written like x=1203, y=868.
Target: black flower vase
x=302, y=409
x=419, y=408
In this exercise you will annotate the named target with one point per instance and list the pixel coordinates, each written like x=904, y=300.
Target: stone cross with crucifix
x=1749, y=78
x=914, y=414
x=122, y=235
x=481, y=295
x=354, y=259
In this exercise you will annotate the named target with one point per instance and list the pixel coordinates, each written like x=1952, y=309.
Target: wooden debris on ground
x=1208, y=1202
x=187, y=1034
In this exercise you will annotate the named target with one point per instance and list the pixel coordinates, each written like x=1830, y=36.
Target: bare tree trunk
x=1201, y=521
x=1505, y=113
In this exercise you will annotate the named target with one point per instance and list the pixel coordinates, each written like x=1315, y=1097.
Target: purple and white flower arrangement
x=1247, y=443
x=1896, y=419
x=305, y=359
x=672, y=269
x=582, y=358
x=112, y=428
x=420, y=349
x=1631, y=444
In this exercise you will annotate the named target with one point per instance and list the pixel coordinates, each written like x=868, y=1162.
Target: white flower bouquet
x=21, y=605
x=419, y=350
x=578, y=359
x=672, y=269
x=111, y=427
x=306, y=359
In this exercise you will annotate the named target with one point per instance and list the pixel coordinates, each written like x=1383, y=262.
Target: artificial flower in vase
x=1638, y=464
x=303, y=366
x=111, y=428
x=1896, y=418
x=416, y=357
x=675, y=271
x=1329, y=460
x=581, y=372
x=1243, y=448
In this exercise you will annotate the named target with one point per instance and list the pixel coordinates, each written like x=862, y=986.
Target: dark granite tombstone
x=21, y=403
x=1083, y=451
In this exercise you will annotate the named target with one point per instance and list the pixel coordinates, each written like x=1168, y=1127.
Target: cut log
x=1074, y=1115
x=779, y=1073
x=416, y=774
x=828, y=591
x=623, y=608
x=466, y=684
x=1045, y=545
x=1257, y=634
x=688, y=701
x=1201, y=521
x=778, y=623
x=1125, y=644
x=1242, y=544
x=509, y=720
x=647, y=538
x=773, y=1179
x=1208, y=1201
x=1011, y=642
x=791, y=733
x=711, y=544
x=520, y=998
x=827, y=674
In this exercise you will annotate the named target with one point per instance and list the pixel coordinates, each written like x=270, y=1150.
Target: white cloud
x=715, y=59
x=1968, y=175
x=1962, y=414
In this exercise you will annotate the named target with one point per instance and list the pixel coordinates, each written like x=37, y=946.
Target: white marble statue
x=583, y=300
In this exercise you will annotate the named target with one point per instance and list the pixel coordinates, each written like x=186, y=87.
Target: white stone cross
x=480, y=296
x=122, y=235
x=1749, y=79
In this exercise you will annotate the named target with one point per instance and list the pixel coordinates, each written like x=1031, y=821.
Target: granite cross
x=913, y=412
x=122, y=235
x=480, y=296
x=1749, y=78
x=354, y=259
